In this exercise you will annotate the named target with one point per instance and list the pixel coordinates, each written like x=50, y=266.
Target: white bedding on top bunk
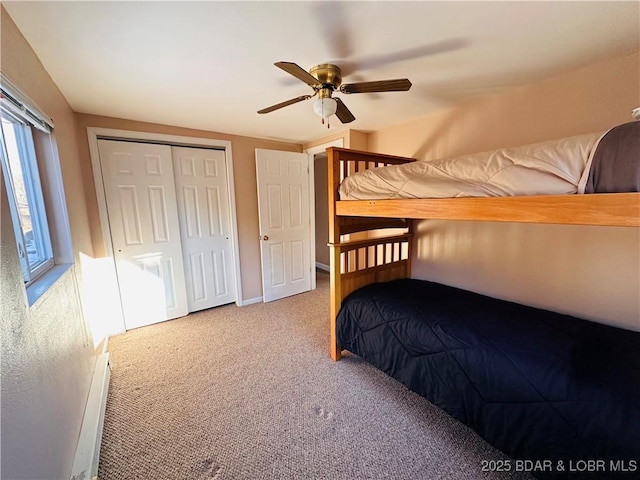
x=554, y=167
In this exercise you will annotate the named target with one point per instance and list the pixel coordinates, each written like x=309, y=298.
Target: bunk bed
x=538, y=385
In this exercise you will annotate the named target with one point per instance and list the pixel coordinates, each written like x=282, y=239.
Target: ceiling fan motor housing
x=329, y=75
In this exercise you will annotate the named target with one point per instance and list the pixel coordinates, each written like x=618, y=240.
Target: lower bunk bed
x=542, y=387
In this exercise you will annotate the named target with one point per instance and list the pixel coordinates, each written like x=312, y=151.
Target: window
x=19, y=164
x=25, y=199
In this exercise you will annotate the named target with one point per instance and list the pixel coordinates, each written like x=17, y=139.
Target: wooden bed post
x=333, y=181
x=410, y=230
x=336, y=299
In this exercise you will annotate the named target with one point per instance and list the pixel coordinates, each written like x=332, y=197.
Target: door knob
x=265, y=237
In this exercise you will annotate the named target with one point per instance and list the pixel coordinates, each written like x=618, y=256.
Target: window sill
x=38, y=288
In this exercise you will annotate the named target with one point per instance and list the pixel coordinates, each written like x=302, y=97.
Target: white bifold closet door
x=205, y=225
x=143, y=216
x=170, y=233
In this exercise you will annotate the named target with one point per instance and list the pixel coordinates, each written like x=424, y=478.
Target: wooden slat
x=609, y=209
x=352, y=245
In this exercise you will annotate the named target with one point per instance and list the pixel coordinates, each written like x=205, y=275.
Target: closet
x=169, y=218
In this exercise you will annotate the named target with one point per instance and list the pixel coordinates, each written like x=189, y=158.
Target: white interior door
x=205, y=226
x=143, y=217
x=285, y=230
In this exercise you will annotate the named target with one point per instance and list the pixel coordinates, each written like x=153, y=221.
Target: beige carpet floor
x=251, y=393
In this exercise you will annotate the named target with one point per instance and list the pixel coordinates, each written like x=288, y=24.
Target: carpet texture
x=251, y=393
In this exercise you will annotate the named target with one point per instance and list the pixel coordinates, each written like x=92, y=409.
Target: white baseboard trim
x=323, y=267
x=85, y=463
x=249, y=301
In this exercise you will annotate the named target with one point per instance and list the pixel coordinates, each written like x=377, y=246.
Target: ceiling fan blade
x=343, y=113
x=376, y=61
x=299, y=72
x=334, y=25
x=397, y=85
x=285, y=104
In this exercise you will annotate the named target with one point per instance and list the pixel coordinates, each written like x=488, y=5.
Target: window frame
x=17, y=107
x=27, y=162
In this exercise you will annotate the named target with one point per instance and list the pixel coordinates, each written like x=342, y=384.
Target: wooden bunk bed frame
x=358, y=258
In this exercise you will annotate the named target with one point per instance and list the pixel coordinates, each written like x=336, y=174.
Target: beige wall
x=244, y=164
x=354, y=139
x=47, y=354
x=358, y=140
x=343, y=135
x=592, y=272
x=587, y=100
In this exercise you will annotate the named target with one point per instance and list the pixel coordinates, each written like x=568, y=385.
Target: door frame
x=96, y=133
x=312, y=152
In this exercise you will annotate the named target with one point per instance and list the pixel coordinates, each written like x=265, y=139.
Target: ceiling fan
x=325, y=79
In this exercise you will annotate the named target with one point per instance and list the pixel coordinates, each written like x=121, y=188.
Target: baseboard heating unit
x=85, y=464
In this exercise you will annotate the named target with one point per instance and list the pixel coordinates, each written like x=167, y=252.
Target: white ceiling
x=209, y=65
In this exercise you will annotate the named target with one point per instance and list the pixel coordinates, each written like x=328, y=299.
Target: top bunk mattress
x=591, y=163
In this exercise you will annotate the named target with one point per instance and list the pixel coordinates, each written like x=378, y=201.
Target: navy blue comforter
x=535, y=384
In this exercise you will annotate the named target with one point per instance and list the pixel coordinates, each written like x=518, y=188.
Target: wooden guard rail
x=362, y=262
x=359, y=255
x=342, y=163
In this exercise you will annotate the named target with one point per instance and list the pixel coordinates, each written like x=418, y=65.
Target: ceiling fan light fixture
x=325, y=107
